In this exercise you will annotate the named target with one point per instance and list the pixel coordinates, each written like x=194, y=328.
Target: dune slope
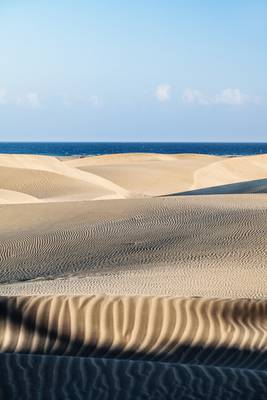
x=229, y=333
x=158, y=174
x=164, y=246
x=68, y=378
x=160, y=280
x=121, y=176
x=48, y=178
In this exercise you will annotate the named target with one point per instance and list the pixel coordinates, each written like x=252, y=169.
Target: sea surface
x=99, y=148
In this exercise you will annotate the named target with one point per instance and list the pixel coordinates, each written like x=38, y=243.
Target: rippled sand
x=209, y=246
x=185, y=330
x=59, y=377
x=166, y=268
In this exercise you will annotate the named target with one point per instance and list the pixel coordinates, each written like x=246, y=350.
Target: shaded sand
x=228, y=333
x=59, y=377
x=163, y=246
x=256, y=186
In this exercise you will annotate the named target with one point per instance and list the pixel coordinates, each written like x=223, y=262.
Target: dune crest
x=47, y=178
x=166, y=329
x=121, y=176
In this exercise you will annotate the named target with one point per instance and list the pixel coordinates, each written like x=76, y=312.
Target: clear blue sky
x=133, y=70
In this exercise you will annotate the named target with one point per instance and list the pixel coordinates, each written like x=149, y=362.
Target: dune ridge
x=158, y=174
x=122, y=176
x=229, y=333
x=46, y=177
x=231, y=170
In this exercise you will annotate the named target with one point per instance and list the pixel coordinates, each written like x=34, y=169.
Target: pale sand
x=48, y=178
x=145, y=269
x=121, y=176
x=158, y=174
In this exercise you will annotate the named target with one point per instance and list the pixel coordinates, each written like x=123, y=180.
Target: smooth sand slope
x=158, y=174
x=48, y=179
x=163, y=246
x=123, y=176
x=147, y=174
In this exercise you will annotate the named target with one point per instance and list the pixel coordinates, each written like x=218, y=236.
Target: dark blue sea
x=99, y=148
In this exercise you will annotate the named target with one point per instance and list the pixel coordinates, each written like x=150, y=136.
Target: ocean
x=100, y=148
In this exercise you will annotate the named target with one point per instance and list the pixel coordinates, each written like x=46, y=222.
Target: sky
x=143, y=70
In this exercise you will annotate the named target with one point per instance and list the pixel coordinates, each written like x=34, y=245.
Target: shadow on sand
x=255, y=186
x=27, y=377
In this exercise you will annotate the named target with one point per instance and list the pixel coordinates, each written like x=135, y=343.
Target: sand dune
x=160, y=280
x=229, y=333
x=158, y=174
x=163, y=246
x=47, y=185
x=147, y=174
x=231, y=170
x=46, y=177
x=68, y=378
x=13, y=197
x=122, y=176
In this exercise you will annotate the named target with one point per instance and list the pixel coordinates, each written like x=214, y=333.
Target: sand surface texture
x=160, y=246
x=143, y=266
x=153, y=328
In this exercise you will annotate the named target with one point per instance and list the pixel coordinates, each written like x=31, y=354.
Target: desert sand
x=158, y=259
x=124, y=176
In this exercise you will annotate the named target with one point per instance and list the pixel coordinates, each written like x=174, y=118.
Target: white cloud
x=192, y=96
x=33, y=99
x=30, y=99
x=163, y=92
x=67, y=101
x=3, y=96
x=228, y=96
x=95, y=101
x=232, y=97
x=72, y=100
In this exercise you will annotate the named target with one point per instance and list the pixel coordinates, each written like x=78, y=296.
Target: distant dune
x=49, y=179
x=122, y=175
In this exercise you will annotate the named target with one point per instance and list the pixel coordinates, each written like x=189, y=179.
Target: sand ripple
x=228, y=333
x=209, y=246
x=27, y=377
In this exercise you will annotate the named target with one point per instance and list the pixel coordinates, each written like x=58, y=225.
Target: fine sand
x=150, y=328
x=160, y=246
x=159, y=260
x=44, y=377
x=124, y=176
